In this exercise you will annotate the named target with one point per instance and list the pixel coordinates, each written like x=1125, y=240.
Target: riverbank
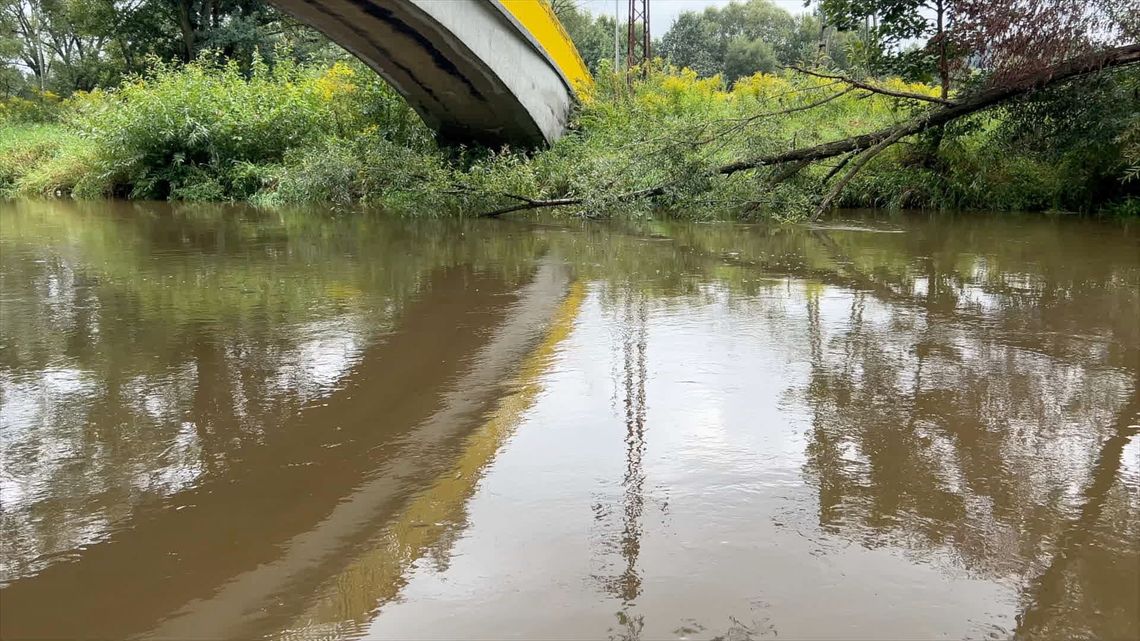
x=294, y=134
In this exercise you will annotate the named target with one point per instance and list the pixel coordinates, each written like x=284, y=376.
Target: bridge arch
x=487, y=71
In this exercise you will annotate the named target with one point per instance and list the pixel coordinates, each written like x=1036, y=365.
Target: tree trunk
x=206, y=13
x=128, y=55
x=187, y=28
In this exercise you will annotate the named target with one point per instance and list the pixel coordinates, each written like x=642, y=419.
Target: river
x=225, y=423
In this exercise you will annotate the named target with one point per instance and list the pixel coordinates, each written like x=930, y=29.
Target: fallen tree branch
x=788, y=171
x=529, y=203
x=739, y=124
x=839, y=166
x=1117, y=57
x=790, y=110
x=540, y=203
x=1083, y=65
x=742, y=123
x=873, y=88
x=704, y=126
x=860, y=162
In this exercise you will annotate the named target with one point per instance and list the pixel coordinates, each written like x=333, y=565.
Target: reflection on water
x=291, y=425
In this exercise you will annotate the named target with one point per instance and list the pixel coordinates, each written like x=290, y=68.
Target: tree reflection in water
x=932, y=432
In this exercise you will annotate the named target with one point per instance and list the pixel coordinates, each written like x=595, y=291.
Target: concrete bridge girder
x=470, y=68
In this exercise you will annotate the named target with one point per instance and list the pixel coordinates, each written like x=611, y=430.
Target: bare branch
x=874, y=88
x=788, y=171
x=534, y=203
x=744, y=122
x=529, y=203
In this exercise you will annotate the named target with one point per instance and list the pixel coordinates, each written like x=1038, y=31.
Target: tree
x=25, y=25
x=892, y=26
x=65, y=45
x=1001, y=39
x=235, y=28
x=688, y=43
x=743, y=38
x=59, y=42
x=745, y=57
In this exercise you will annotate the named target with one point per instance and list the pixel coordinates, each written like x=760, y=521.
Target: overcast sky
x=662, y=13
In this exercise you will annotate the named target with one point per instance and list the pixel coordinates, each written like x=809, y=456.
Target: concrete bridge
x=487, y=71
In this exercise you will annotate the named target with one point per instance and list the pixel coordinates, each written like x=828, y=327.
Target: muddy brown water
x=220, y=423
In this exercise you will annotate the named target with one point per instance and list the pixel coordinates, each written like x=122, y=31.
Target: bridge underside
x=470, y=68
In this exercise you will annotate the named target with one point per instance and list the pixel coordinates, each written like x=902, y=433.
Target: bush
x=192, y=131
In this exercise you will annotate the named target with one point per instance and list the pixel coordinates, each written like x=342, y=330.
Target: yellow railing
x=538, y=18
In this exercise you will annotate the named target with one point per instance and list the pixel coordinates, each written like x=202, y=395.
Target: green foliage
x=207, y=131
x=291, y=133
x=896, y=21
x=893, y=34
x=24, y=147
x=366, y=168
x=191, y=132
x=69, y=45
x=1090, y=129
x=745, y=57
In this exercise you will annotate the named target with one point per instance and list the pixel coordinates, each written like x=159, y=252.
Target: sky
x=662, y=13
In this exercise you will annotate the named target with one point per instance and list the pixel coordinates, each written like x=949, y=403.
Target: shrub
x=191, y=131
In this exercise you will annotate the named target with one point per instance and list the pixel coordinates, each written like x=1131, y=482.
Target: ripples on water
x=223, y=423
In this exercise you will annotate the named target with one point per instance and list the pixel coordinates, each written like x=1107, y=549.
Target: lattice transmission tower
x=638, y=39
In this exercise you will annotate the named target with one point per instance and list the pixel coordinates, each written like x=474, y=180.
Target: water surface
x=222, y=423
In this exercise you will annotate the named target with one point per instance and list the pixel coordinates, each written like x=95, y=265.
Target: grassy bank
x=337, y=134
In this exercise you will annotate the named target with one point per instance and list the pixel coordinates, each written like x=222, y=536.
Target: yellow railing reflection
x=377, y=575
